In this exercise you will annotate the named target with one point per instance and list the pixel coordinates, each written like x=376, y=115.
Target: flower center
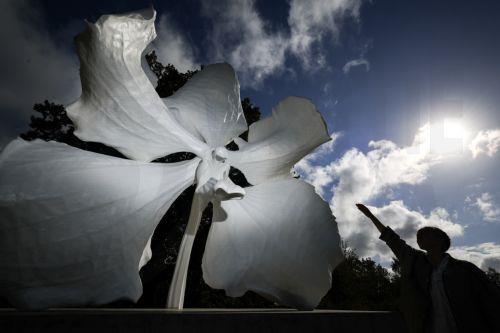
x=212, y=177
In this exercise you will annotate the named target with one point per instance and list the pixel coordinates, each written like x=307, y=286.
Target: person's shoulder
x=420, y=253
x=460, y=262
x=420, y=257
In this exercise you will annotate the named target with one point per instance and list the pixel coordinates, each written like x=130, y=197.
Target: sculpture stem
x=177, y=288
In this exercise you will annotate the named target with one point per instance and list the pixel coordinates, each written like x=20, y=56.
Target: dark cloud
x=34, y=66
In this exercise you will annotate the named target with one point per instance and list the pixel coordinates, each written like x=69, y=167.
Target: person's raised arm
x=372, y=217
x=397, y=245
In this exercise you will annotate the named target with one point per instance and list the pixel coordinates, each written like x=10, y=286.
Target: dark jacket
x=473, y=299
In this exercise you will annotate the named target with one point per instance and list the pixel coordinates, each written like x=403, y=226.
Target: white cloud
x=484, y=255
x=311, y=21
x=485, y=142
x=172, y=46
x=384, y=166
x=361, y=235
x=490, y=211
x=406, y=222
x=364, y=177
x=354, y=63
x=325, y=148
x=33, y=65
x=241, y=36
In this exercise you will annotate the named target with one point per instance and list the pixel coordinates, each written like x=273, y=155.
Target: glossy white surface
x=119, y=107
x=280, y=240
x=74, y=224
x=293, y=130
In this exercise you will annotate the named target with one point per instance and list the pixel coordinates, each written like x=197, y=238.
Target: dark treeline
x=358, y=283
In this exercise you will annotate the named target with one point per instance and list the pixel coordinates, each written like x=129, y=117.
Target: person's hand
x=372, y=217
x=364, y=210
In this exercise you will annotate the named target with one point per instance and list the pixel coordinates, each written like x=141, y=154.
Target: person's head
x=432, y=239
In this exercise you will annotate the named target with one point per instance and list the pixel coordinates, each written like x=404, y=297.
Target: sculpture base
x=199, y=320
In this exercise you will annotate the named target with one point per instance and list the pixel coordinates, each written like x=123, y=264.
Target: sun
x=447, y=136
x=453, y=128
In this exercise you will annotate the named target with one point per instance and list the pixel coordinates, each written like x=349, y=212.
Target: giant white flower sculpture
x=75, y=225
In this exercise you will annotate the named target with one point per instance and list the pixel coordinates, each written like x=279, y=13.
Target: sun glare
x=453, y=128
x=447, y=137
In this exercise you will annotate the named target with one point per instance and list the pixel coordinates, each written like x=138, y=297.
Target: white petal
x=74, y=225
x=280, y=240
x=209, y=106
x=119, y=107
x=147, y=253
x=277, y=142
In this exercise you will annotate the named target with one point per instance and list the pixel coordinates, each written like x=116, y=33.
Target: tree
x=361, y=284
x=493, y=276
x=53, y=124
x=169, y=78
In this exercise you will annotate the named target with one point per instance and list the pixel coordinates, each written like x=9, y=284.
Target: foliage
x=53, y=124
x=493, y=276
x=361, y=284
x=169, y=78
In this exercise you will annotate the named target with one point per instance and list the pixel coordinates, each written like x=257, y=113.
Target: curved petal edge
x=294, y=129
x=75, y=225
x=280, y=240
x=118, y=106
x=209, y=105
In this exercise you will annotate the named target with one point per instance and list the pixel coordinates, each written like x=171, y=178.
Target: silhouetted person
x=438, y=292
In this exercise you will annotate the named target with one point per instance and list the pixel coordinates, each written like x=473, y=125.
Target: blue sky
x=409, y=90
